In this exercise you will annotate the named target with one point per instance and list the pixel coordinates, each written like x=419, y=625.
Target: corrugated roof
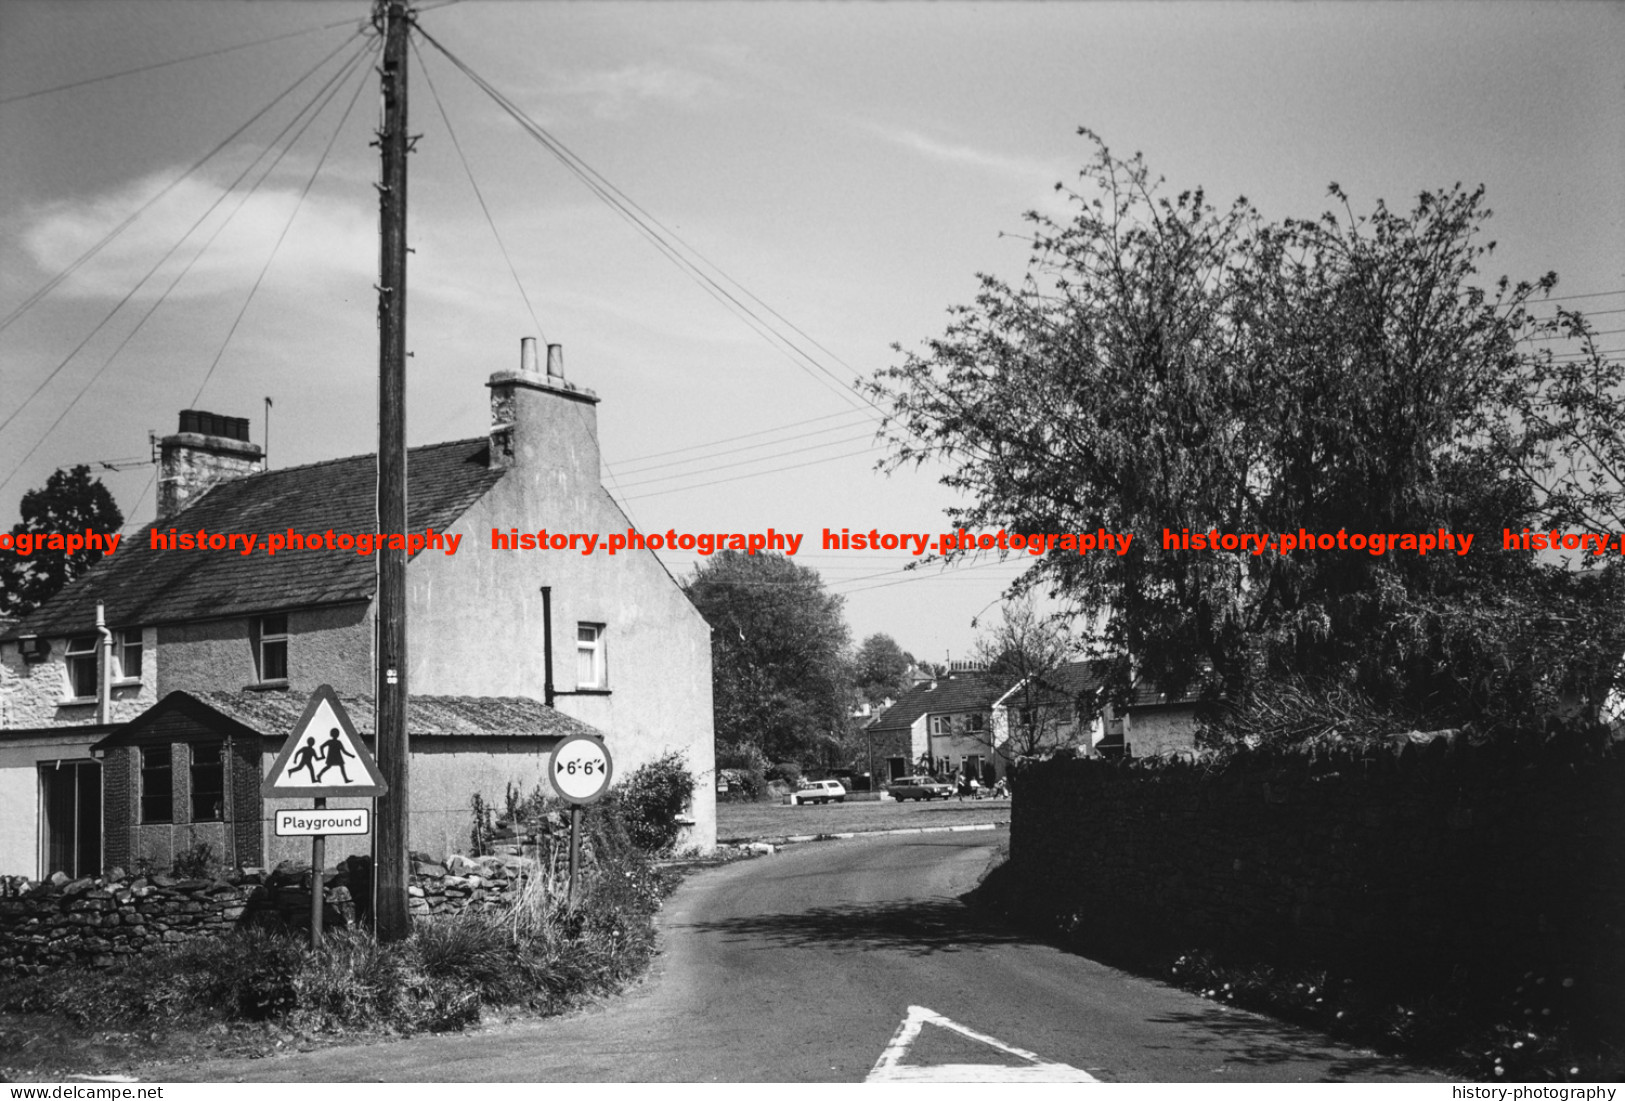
x=142, y=586
x=959, y=692
x=274, y=714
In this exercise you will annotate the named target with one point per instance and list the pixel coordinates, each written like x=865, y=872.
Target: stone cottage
x=149, y=735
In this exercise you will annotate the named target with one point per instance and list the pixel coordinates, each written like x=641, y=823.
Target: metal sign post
x=580, y=774
x=296, y=772
x=318, y=892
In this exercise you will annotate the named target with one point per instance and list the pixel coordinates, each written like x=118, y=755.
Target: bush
x=198, y=862
x=788, y=772
x=649, y=801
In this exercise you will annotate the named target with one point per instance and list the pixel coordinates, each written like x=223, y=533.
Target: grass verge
x=258, y=992
x=738, y=822
x=1534, y=1028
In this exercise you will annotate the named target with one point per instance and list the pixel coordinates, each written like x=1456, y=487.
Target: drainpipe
x=547, y=645
x=104, y=670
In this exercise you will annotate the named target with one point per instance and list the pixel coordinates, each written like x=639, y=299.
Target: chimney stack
x=540, y=420
x=208, y=449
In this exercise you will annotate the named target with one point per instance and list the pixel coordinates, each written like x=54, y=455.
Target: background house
x=944, y=725
x=244, y=638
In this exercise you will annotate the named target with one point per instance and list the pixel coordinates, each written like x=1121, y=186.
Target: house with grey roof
x=978, y=722
x=148, y=735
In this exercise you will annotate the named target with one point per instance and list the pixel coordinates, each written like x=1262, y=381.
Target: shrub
x=649, y=801
x=788, y=772
x=198, y=862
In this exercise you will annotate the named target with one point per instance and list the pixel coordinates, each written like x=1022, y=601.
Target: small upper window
x=942, y=724
x=81, y=663
x=157, y=793
x=591, y=670
x=273, y=648
x=127, y=652
x=978, y=722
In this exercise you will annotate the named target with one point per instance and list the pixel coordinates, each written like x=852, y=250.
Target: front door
x=71, y=818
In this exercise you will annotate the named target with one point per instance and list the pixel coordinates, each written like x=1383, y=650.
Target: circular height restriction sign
x=581, y=769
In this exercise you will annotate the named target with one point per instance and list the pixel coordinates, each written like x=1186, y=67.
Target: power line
x=297, y=206
x=657, y=234
x=107, y=239
x=755, y=474
x=174, y=61
x=744, y=436
x=469, y=172
x=324, y=95
x=743, y=462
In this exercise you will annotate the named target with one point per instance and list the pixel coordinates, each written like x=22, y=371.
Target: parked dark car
x=919, y=787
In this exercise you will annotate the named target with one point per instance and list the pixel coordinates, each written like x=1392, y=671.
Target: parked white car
x=818, y=791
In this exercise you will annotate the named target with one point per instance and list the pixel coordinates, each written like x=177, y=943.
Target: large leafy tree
x=70, y=502
x=781, y=676
x=880, y=669
x=1166, y=366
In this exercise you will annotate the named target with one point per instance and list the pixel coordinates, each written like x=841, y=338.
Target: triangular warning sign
x=324, y=756
x=1010, y=1063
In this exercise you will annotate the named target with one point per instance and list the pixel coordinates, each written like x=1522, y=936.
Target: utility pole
x=391, y=911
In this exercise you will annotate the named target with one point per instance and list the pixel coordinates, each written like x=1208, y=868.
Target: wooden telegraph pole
x=391, y=910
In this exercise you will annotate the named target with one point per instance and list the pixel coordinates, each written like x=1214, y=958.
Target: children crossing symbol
x=324, y=755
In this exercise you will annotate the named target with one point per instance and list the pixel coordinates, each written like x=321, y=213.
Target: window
x=208, y=782
x=127, y=652
x=942, y=724
x=157, y=798
x=590, y=665
x=273, y=648
x=978, y=723
x=82, y=666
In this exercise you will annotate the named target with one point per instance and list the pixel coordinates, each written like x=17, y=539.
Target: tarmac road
x=847, y=960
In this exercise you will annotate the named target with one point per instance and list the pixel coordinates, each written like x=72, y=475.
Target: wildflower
x=1568, y=984
x=1339, y=1014
x=1516, y=1044
x=1574, y=1072
x=1499, y=1071
x=1546, y=1013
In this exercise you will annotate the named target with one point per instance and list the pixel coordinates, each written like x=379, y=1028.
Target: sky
x=847, y=168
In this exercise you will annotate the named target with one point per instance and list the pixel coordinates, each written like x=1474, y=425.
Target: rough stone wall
x=32, y=693
x=104, y=921
x=1413, y=860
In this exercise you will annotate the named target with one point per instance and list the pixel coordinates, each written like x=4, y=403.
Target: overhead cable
x=19, y=97
x=303, y=194
x=324, y=95
x=662, y=238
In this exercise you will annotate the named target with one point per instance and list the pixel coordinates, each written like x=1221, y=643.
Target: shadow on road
x=1241, y=1037
x=918, y=927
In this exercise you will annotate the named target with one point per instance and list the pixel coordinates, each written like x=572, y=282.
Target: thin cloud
x=328, y=238
x=1021, y=169
x=620, y=93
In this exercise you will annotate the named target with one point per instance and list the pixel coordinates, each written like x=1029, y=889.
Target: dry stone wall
x=99, y=922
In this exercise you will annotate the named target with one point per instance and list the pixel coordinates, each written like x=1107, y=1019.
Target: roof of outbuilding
x=142, y=586
x=274, y=715
x=958, y=692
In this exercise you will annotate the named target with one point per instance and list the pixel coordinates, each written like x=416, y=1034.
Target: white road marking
x=890, y=1068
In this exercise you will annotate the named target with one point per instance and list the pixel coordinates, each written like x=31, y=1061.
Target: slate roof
x=959, y=692
x=143, y=587
x=274, y=714
x=1075, y=679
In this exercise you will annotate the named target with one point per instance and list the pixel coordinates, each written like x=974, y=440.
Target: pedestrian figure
x=335, y=753
x=305, y=758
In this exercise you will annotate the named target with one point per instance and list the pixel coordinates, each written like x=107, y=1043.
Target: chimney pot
x=555, y=361
x=527, y=356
